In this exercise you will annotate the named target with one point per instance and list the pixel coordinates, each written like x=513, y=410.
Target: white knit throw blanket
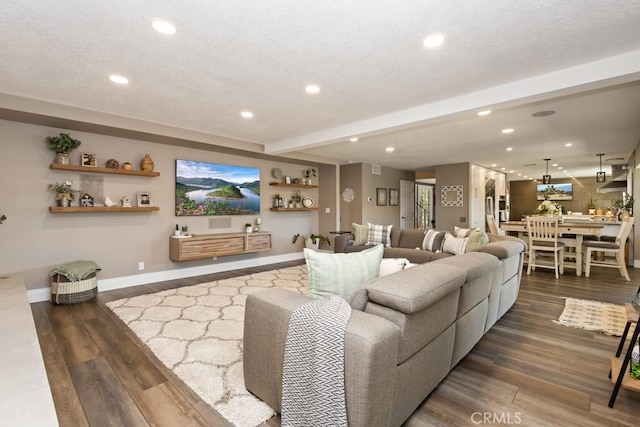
x=313, y=373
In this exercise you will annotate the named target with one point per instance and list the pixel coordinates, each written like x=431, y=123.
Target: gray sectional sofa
x=406, y=332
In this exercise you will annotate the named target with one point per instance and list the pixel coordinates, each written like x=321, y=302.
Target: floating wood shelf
x=282, y=184
x=204, y=246
x=292, y=209
x=627, y=382
x=94, y=209
x=79, y=168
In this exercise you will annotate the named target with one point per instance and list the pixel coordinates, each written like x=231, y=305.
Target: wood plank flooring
x=525, y=371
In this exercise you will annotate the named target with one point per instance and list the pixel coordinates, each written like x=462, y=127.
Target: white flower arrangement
x=547, y=208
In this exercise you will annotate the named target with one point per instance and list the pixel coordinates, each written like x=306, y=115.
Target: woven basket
x=65, y=292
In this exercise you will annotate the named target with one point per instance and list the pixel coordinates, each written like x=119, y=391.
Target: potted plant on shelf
x=64, y=193
x=296, y=198
x=127, y=166
x=248, y=227
x=591, y=206
x=312, y=241
x=308, y=173
x=62, y=145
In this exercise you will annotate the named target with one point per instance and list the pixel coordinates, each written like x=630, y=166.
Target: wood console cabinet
x=212, y=245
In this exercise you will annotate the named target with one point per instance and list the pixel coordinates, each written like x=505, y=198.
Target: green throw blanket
x=76, y=270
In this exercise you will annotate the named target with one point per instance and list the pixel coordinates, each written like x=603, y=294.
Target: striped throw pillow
x=433, y=240
x=454, y=245
x=379, y=234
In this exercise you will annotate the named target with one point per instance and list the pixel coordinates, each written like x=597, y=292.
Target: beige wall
x=448, y=216
x=33, y=240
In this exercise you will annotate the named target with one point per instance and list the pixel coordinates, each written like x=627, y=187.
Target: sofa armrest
x=371, y=351
x=503, y=249
x=342, y=241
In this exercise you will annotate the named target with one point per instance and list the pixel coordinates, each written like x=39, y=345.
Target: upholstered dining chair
x=493, y=225
x=605, y=248
x=543, y=237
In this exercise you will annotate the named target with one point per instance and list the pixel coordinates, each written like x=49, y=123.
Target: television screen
x=204, y=189
x=555, y=191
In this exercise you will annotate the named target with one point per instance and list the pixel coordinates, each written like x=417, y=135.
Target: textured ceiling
x=376, y=79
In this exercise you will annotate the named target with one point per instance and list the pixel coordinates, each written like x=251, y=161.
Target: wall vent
x=376, y=169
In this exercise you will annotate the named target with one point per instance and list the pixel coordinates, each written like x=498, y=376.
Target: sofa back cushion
x=411, y=238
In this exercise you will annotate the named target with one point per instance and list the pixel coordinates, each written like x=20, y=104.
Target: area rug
x=609, y=319
x=196, y=331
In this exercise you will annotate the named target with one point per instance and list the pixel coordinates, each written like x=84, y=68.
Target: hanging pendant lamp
x=601, y=176
x=546, y=179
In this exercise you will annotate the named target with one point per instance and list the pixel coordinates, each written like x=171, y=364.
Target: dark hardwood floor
x=525, y=371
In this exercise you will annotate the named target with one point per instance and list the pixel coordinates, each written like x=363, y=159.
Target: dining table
x=572, y=235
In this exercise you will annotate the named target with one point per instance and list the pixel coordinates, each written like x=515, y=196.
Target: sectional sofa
x=406, y=332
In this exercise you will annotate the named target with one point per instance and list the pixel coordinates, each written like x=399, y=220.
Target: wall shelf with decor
x=95, y=209
x=204, y=246
x=283, y=184
x=292, y=209
x=80, y=168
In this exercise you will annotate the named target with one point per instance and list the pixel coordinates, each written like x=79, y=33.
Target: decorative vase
x=592, y=211
x=249, y=229
x=147, y=164
x=126, y=166
x=63, y=202
x=62, y=158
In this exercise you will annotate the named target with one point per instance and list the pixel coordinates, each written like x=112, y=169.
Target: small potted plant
x=591, y=206
x=312, y=241
x=248, y=227
x=185, y=230
x=276, y=200
x=62, y=145
x=296, y=198
x=308, y=173
x=127, y=166
x=64, y=193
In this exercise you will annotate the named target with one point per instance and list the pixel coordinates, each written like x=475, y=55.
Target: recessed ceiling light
x=433, y=40
x=484, y=112
x=494, y=165
x=511, y=171
x=503, y=169
x=312, y=89
x=559, y=167
x=163, y=27
x=246, y=114
x=554, y=165
x=543, y=113
x=354, y=139
x=121, y=80
x=568, y=144
x=527, y=177
x=519, y=174
x=509, y=148
x=389, y=149
x=508, y=130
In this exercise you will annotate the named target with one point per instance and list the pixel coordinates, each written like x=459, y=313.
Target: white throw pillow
x=340, y=274
x=454, y=245
x=379, y=234
x=392, y=265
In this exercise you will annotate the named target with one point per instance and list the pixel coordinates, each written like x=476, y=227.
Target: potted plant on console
x=312, y=241
x=248, y=227
x=62, y=145
x=64, y=193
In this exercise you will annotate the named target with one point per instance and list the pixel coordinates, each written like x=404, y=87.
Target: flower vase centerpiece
x=547, y=208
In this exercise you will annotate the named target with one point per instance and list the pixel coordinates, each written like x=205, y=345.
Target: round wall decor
x=348, y=194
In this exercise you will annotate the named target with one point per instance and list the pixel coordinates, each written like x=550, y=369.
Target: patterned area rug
x=196, y=331
x=594, y=316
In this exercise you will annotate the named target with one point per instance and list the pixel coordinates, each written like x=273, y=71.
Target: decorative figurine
x=147, y=164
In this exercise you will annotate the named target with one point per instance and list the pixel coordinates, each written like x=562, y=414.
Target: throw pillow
x=454, y=245
x=392, y=265
x=476, y=239
x=462, y=232
x=360, y=232
x=340, y=274
x=379, y=234
x=433, y=240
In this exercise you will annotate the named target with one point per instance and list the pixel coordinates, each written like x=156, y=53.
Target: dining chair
x=543, y=237
x=494, y=228
x=605, y=248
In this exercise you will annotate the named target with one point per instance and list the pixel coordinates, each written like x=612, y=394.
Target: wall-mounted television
x=205, y=189
x=555, y=191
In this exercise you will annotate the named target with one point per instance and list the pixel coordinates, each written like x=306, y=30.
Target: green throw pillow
x=340, y=274
x=360, y=232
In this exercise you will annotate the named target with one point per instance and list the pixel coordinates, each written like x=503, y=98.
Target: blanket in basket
x=76, y=270
x=313, y=373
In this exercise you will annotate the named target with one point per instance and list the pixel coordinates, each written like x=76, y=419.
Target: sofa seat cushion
x=340, y=274
x=417, y=256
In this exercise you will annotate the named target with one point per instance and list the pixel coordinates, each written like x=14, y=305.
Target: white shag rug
x=594, y=316
x=196, y=331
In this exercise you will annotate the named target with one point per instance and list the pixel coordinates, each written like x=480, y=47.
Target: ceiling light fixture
x=601, y=176
x=389, y=149
x=246, y=114
x=312, y=89
x=433, y=40
x=568, y=144
x=509, y=148
x=121, y=80
x=484, y=112
x=546, y=179
x=508, y=130
x=354, y=139
x=163, y=27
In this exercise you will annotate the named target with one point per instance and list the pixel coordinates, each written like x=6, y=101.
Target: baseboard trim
x=44, y=294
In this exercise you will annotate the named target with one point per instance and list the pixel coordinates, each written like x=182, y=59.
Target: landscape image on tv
x=554, y=191
x=205, y=189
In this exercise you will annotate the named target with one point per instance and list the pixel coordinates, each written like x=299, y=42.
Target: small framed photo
x=287, y=179
x=394, y=197
x=381, y=196
x=144, y=198
x=88, y=159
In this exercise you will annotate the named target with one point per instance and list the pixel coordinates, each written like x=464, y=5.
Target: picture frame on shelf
x=89, y=160
x=287, y=179
x=394, y=197
x=381, y=196
x=144, y=199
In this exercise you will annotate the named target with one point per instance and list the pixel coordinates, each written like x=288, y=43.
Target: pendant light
x=601, y=176
x=546, y=179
